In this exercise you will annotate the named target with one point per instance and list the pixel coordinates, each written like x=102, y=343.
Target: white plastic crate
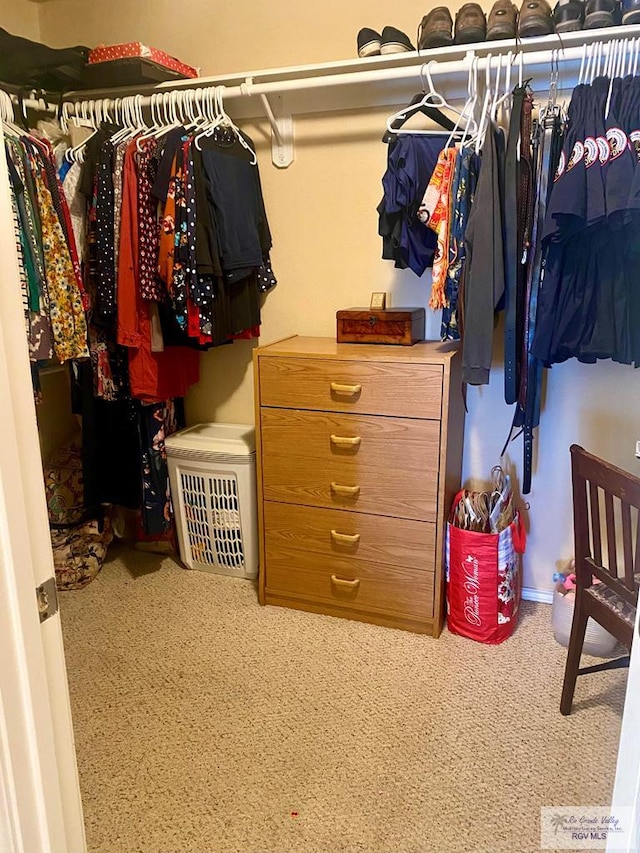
x=212, y=471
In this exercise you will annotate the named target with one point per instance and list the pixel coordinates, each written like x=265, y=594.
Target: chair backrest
x=606, y=521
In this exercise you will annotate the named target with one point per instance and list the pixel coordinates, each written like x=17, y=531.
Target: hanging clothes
x=132, y=260
x=463, y=189
x=49, y=264
x=155, y=423
x=588, y=305
x=411, y=160
x=153, y=375
x=435, y=211
x=484, y=281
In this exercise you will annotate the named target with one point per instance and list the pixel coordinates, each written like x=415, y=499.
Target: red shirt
x=153, y=376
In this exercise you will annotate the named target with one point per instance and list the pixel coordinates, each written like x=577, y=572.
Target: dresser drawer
x=355, y=585
x=382, y=388
x=353, y=537
x=385, y=466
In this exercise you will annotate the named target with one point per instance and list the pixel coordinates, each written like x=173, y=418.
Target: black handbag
x=29, y=63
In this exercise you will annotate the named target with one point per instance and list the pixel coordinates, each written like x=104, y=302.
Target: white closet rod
x=450, y=62
x=406, y=74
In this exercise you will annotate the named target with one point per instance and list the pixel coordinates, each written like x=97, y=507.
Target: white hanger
x=156, y=125
x=214, y=115
x=126, y=118
x=506, y=97
x=431, y=98
x=134, y=122
x=613, y=70
x=65, y=114
x=85, y=113
x=611, y=54
x=189, y=101
x=495, y=89
x=197, y=111
x=582, y=64
x=470, y=124
x=627, y=56
x=222, y=119
x=600, y=54
x=520, y=68
x=588, y=68
x=7, y=114
x=478, y=140
x=229, y=123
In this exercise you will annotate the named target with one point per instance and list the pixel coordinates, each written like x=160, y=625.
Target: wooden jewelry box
x=404, y=326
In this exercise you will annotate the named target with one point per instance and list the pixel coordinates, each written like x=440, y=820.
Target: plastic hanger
x=591, y=59
x=213, y=118
x=190, y=96
x=627, y=56
x=613, y=70
x=229, y=123
x=125, y=106
x=483, y=121
x=133, y=118
x=495, y=89
x=619, y=70
x=520, y=68
x=502, y=93
x=7, y=114
x=222, y=119
x=470, y=124
x=430, y=98
x=156, y=123
x=582, y=64
x=84, y=115
x=505, y=98
x=163, y=125
x=433, y=113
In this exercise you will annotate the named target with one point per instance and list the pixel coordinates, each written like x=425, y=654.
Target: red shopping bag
x=484, y=581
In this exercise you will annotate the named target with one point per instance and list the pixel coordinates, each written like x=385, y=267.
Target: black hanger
x=432, y=113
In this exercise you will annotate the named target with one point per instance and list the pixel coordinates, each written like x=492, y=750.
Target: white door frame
x=626, y=792
x=40, y=805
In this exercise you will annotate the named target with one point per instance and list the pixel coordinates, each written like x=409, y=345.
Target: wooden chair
x=606, y=523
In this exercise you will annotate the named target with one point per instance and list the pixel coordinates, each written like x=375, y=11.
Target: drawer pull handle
x=342, y=582
x=346, y=538
x=352, y=491
x=345, y=440
x=340, y=388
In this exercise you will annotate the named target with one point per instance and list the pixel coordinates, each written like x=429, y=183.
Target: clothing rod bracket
x=281, y=122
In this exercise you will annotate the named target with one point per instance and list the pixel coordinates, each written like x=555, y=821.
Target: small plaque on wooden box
x=404, y=326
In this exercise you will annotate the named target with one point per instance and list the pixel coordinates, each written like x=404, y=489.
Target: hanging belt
x=527, y=414
x=511, y=254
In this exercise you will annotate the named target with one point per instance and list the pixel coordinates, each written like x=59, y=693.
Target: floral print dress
x=66, y=311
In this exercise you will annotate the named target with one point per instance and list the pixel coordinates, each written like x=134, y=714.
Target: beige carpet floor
x=208, y=724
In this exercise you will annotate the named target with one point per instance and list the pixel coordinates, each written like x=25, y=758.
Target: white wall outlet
x=638, y=449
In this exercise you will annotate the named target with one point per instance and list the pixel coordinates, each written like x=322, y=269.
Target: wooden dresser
x=359, y=451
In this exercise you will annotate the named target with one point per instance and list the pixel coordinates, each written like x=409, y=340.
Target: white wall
x=20, y=18
x=326, y=248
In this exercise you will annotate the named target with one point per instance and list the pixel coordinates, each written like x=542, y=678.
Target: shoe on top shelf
x=568, y=16
x=395, y=41
x=502, y=22
x=471, y=24
x=602, y=13
x=435, y=29
x=368, y=42
x=536, y=19
x=630, y=12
